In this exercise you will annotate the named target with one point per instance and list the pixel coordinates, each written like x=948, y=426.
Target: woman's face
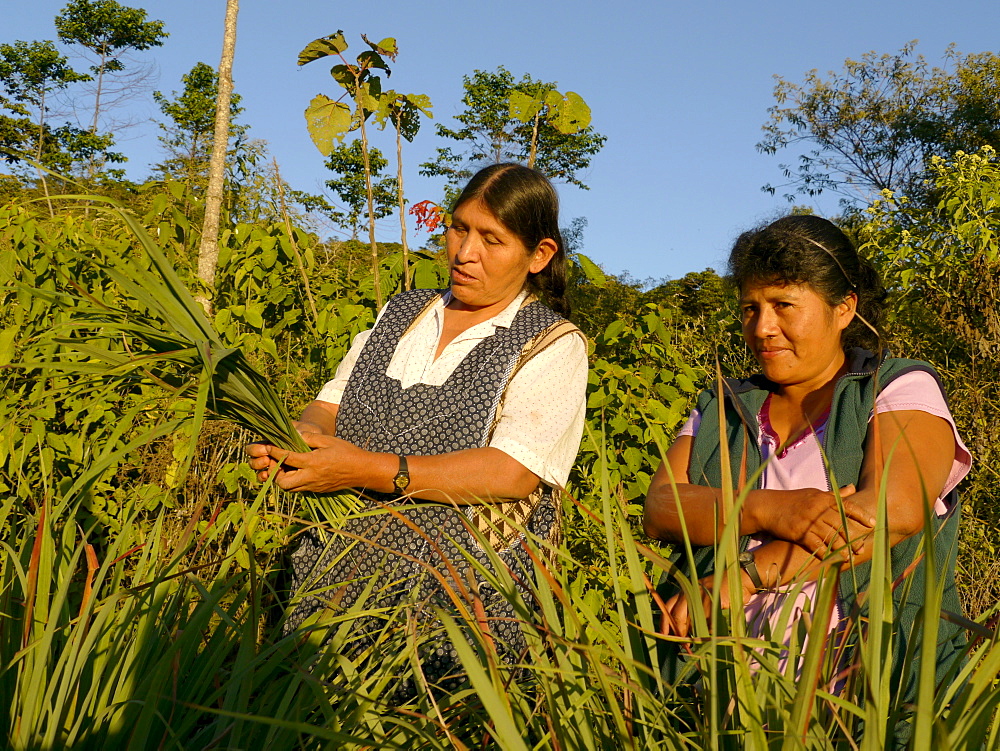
x=794, y=333
x=488, y=263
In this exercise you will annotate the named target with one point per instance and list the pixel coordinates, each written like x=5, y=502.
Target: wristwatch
x=749, y=564
x=402, y=479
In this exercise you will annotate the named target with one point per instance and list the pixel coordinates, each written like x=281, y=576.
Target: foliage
x=330, y=120
x=351, y=186
x=108, y=31
x=30, y=72
x=942, y=266
x=191, y=122
x=874, y=125
x=158, y=625
x=490, y=133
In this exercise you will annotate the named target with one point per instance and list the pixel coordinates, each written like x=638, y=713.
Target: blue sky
x=680, y=90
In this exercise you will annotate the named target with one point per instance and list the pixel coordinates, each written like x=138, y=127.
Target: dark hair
x=807, y=249
x=525, y=202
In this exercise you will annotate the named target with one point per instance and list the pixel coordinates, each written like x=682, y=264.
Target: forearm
x=471, y=476
x=675, y=511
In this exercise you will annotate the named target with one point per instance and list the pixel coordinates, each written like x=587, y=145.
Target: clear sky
x=680, y=89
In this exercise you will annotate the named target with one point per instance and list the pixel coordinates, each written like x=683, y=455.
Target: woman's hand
x=333, y=464
x=812, y=518
x=677, y=611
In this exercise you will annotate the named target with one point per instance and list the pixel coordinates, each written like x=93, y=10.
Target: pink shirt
x=800, y=465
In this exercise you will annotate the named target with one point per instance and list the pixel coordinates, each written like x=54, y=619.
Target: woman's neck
x=459, y=317
x=796, y=408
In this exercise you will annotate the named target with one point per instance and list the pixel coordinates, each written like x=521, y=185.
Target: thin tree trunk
x=38, y=156
x=92, y=164
x=534, y=141
x=371, y=211
x=208, y=253
x=290, y=231
x=402, y=205
x=100, y=86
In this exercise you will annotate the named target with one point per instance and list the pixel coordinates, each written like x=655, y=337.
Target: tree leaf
x=386, y=47
x=370, y=59
x=345, y=76
x=327, y=121
x=422, y=102
x=572, y=115
x=591, y=270
x=523, y=106
x=333, y=44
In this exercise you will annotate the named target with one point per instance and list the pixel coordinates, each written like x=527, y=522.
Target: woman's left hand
x=334, y=464
x=677, y=610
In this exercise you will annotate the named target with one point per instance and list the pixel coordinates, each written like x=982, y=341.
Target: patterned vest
x=377, y=414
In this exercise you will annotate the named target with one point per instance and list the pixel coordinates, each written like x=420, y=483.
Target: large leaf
x=572, y=115
x=523, y=106
x=323, y=47
x=328, y=121
x=422, y=102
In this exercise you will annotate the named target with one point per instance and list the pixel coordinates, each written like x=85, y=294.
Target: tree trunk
x=38, y=155
x=534, y=141
x=208, y=254
x=402, y=204
x=371, y=210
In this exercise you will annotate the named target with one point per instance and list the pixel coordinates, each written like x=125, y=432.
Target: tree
x=403, y=111
x=108, y=31
x=208, y=253
x=191, y=124
x=490, y=133
x=30, y=74
x=874, y=125
x=351, y=186
x=330, y=120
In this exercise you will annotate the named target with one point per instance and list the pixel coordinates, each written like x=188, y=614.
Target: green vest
x=843, y=445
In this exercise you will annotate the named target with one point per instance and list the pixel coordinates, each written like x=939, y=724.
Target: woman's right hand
x=812, y=518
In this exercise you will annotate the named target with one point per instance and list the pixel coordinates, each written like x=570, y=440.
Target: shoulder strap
x=539, y=343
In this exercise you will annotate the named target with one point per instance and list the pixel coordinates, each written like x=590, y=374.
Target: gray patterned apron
x=410, y=557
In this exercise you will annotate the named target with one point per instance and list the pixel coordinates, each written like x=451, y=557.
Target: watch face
x=401, y=482
x=746, y=557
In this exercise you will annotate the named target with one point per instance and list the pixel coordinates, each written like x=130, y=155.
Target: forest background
x=117, y=478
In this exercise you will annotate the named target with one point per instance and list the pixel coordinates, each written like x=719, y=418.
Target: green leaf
x=422, y=102
x=323, y=47
x=7, y=337
x=372, y=60
x=572, y=115
x=614, y=329
x=591, y=270
x=327, y=121
x=253, y=317
x=387, y=47
x=522, y=106
x=345, y=76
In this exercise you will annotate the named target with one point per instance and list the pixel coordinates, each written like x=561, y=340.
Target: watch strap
x=402, y=479
x=749, y=564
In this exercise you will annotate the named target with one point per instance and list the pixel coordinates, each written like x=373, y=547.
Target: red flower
x=429, y=215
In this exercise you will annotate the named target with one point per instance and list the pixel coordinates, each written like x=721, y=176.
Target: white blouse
x=543, y=411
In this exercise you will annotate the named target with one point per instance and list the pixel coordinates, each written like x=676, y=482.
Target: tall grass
x=139, y=642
